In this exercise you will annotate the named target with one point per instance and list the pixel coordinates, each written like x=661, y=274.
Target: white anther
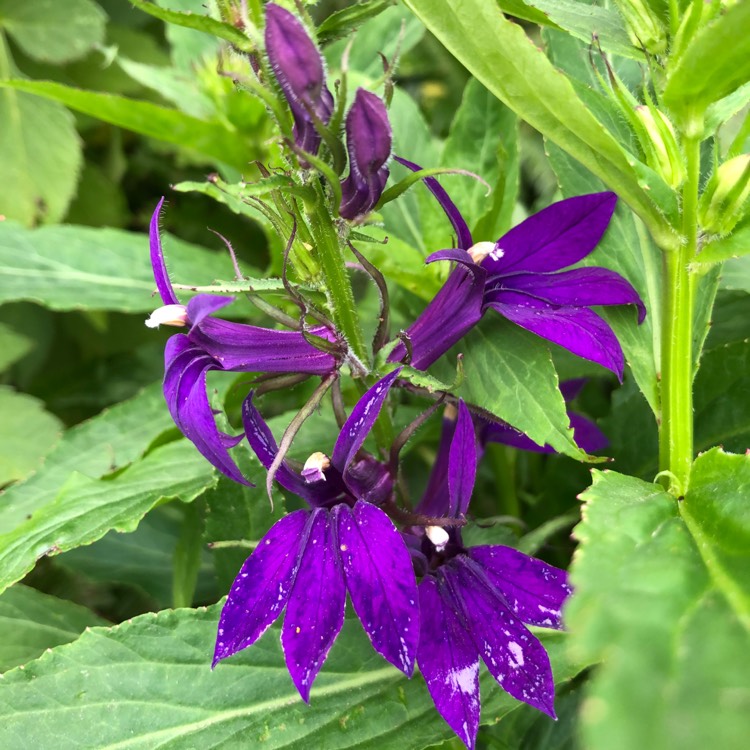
x=481, y=250
x=168, y=315
x=315, y=466
x=438, y=536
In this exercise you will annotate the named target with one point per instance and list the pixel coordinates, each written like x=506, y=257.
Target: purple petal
x=534, y=590
x=571, y=389
x=436, y=499
x=579, y=287
x=451, y=313
x=556, y=237
x=514, y=657
x=449, y=662
x=462, y=464
x=463, y=234
x=203, y=305
x=360, y=421
x=315, y=612
x=163, y=284
x=369, y=480
x=380, y=579
x=580, y=331
x=261, y=588
x=185, y=393
x=587, y=435
x=244, y=348
x=503, y=433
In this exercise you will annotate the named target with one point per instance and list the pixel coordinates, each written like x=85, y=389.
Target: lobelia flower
x=587, y=435
x=368, y=142
x=298, y=66
x=520, y=276
x=216, y=344
x=310, y=558
x=479, y=599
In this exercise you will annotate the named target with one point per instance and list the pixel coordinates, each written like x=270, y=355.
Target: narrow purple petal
x=449, y=662
x=203, y=305
x=244, y=348
x=185, y=372
x=463, y=233
x=315, y=612
x=579, y=287
x=451, y=313
x=572, y=388
x=161, y=276
x=514, y=657
x=555, y=237
x=578, y=330
x=462, y=464
x=534, y=590
x=261, y=588
x=360, y=421
x=368, y=479
x=380, y=579
x=587, y=434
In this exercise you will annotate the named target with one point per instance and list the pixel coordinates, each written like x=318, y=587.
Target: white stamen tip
x=315, y=466
x=168, y=315
x=481, y=250
x=438, y=536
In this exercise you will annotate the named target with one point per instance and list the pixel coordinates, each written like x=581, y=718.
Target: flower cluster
x=422, y=595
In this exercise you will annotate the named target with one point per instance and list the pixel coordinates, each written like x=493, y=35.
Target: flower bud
x=368, y=142
x=298, y=66
x=659, y=143
x=644, y=26
x=725, y=200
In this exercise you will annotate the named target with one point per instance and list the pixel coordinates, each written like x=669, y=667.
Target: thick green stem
x=676, y=429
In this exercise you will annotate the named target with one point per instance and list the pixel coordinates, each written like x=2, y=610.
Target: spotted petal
x=261, y=588
x=315, y=612
x=449, y=662
x=380, y=580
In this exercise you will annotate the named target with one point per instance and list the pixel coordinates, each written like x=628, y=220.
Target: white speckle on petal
x=516, y=651
x=463, y=679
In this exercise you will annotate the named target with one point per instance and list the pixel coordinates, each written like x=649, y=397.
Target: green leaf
x=490, y=152
x=509, y=372
x=74, y=268
x=674, y=652
x=27, y=433
x=212, y=140
x=735, y=275
x=41, y=156
x=32, y=622
x=86, y=509
x=143, y=558
x=342, y=22
x=51, y=31
x=715, y=63
x=147, y=683
x=731, y=246
x=198, y=22
x=13, y=346
x=504, y=59
x=630, y=252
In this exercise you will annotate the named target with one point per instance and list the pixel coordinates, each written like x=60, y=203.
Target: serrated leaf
x=509, y=373
x=675, y=654
x=73, y=268
x=499, y=54
x=41, y=156
x=213, y=140
x=32, y=622
x=714, y=64
x=51, y=31
x=27, y=433
x=148, y=683
x=13, y=346
x=86, y=509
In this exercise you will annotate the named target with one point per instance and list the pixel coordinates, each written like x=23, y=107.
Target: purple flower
x=479, y=599
x=587, y=435
x=310, y=558
x=298, y=67
x=215, y=344
x=521, y=278
x=368, y=141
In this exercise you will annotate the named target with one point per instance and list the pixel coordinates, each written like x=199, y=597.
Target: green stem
x=676, y=429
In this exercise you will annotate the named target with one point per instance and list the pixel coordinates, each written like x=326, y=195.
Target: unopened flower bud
x=298, y=66
x=644, y=26
x=438, y=536
x=368, y=142
x=725, y=200
x=168, y=315
x=659, y=143
x=315, y=467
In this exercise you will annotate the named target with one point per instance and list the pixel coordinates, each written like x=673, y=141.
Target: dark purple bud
x=298, y=67
x=369, y=142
